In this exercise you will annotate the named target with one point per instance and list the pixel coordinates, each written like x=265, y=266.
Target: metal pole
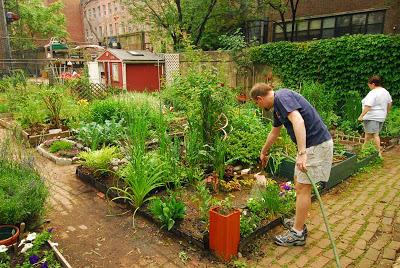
x=3, y=29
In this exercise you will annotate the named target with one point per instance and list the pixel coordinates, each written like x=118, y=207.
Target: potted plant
x=224, y=230
x=8, y=234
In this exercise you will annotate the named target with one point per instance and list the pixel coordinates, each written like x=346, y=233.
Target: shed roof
x=134, y=55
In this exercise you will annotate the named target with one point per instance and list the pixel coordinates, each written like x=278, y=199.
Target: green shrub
x=108, y=109
x=57, y=146
x=246, y=136
x=99, y=160
x=341, y=64
x=322, y=99
x=391, y=127
x=22, y=193
x=167, y=210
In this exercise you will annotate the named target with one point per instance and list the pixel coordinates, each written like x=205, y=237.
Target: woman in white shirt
x=376, y=106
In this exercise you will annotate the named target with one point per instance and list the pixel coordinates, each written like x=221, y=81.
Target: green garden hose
x=321, y=205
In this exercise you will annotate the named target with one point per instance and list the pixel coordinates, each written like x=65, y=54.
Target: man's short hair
x=260, y=89
x=376, y=80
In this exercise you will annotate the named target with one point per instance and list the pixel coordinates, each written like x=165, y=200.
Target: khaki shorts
x=319, y=163
x=372, y=126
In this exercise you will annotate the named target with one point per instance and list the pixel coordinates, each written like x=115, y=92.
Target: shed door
x=143, y=77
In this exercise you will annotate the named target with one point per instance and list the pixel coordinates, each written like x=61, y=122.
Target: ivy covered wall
x=341, y=64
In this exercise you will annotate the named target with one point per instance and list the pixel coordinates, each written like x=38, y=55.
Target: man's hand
x=264, y=159
x=301, y=161
x=360, y=118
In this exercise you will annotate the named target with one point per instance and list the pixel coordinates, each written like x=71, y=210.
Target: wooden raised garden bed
x=339, y=172
x=34, y=139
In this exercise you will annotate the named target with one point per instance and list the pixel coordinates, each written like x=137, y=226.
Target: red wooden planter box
x=224, y=233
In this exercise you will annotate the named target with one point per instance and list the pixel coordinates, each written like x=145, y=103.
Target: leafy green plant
x=53, y=98
x=249, y=223
x=167, y=210
x=367, y=149
x=322, y=99
x=143, y=174
x=99, y=160
x=96, y=135
x=108, y=109
x=391, y=127
x=23, y=193
x=205, y=200
x=59, y=145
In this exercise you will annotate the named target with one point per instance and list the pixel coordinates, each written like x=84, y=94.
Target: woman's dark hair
x=376, y=80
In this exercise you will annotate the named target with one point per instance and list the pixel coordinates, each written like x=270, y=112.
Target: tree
x=176, y=17
x=85, y=15
x=283, y=6
x=37, y=23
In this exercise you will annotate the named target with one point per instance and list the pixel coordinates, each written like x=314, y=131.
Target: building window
x=115, y=6
x=115, y=73
x=104, y=10
x=122, y=28
x=100, y=31
x=98, y=11
x=110, y=27
x=109, y=8
x=370, y=22
x=94, y=12
x=116, y=28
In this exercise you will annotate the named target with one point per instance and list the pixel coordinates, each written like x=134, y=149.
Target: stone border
x=62, y=161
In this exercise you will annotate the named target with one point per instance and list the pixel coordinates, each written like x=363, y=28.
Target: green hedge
x=341, y=64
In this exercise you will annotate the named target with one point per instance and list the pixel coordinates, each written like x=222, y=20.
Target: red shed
x=134, y=70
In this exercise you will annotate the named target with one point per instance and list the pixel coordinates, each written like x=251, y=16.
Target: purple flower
x=50, y=230
x=44, y=265
x=287, y=187
x=33, y=259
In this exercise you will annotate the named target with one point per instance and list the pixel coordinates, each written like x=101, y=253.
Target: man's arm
x=300, y=132
x=272, y=136
x=364, y=112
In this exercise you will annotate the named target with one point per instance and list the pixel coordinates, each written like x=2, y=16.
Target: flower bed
x=35, y=250
x=61, y=151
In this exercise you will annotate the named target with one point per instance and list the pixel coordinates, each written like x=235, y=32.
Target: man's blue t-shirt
x=287, y=101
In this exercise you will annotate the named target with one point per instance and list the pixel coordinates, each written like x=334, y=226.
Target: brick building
x=106, y=20
x=317, y=19
x=73, y=15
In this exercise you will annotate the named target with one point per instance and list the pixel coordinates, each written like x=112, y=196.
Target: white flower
x=26, y=247
x=22, y=242
x=31, y=236
x=3, y=248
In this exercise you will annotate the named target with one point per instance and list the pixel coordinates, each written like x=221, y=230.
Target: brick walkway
x=364, y=214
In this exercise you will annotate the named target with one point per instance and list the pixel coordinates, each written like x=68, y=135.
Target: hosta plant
x=167, y=210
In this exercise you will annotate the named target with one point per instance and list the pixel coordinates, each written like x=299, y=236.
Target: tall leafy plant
x=142, y=175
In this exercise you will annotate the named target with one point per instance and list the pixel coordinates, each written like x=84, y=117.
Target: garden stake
x=321, y=205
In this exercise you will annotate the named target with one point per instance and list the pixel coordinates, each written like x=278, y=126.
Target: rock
x=75, y=159
x=237, y=168
x=114, y=162
x=55, y=131
x=245, y=171
x=261, y=180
